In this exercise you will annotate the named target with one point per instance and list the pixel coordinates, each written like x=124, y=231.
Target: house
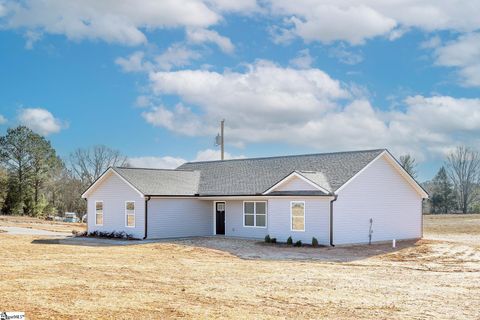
x=338, y=198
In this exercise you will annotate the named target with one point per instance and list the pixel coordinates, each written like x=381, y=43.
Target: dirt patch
x=203, y=278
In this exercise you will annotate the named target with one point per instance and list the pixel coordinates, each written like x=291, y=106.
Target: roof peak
x=154, y=169
x=288, y=156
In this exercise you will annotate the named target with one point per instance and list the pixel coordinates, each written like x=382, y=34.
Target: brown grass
x=428, y=280
x=41, y=224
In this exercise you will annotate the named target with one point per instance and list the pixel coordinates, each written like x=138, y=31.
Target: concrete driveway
x=33, y=232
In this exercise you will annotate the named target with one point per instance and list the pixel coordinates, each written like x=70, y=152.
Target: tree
x=443, y=196
x=463, y=166
x=15, y=155
x=89, y=164
x=409, y=164
x=44, y=161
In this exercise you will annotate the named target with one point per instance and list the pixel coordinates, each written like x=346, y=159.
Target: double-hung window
x=255, y=214
x=130, y=214
x=297, y=215
x=99, y=213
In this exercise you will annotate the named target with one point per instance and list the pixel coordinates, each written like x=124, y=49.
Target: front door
x=220, y=217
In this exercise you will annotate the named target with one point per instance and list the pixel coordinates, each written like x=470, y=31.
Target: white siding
x=170, y=218
x=380, y=193
x=295, y=184
x=317, y=215
x=234, y=222
x=113, y=191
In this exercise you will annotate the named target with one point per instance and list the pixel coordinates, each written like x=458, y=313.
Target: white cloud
x=134, y=63
x=176, y=55
x=32, y=37
x=3, y=120
x=40, y=120
x=303, y=60
x=204, y=36
x=463, y=54
x=169, y=162
x=108, y=20
x=343, y=55
x=166, y=162
x=244, y=6
x=357, y=21
x=267, y=103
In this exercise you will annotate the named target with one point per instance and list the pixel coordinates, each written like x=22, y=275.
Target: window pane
x=298, y=223
x=99, y=219
x=298, y=209
x=261, y=207
x=249, y=207
x=261, y=220
x=249, y=220
x=130, y=220
x=99, y=206
x=130, y=205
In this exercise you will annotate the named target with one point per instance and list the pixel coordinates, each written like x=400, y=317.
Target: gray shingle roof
x=254, y=176
x=162, y=182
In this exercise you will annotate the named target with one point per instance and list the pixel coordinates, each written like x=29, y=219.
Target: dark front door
x=220, y=217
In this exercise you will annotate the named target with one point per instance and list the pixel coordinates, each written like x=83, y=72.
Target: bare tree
x=409, y=164
x=463, y=166
x=89, y=164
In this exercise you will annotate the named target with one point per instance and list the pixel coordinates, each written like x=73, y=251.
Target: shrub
x=267, y=238
x=298, y=243
x=289, y=241
x=110, y=235
x=79, y=233
x=273, y=240
x=314, y=242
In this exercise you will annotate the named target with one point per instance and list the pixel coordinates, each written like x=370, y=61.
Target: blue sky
x=153, y=78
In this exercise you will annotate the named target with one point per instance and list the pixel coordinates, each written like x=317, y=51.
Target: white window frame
x=103, y=212
x=304, y=215
x=255, y=215
x=134, y=215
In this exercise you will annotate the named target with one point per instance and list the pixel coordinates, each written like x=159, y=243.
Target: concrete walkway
x=33, y=232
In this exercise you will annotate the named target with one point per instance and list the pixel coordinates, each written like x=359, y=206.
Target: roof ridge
x=155, y=169
x=285, y=156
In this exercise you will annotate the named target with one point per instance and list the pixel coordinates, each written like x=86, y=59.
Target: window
x=99, y=213
x=255, y=214
x=297, y=213
x=130, y=214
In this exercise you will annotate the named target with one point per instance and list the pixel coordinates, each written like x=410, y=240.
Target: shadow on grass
x=248, y=249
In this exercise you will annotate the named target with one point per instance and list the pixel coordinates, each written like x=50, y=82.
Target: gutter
x=147, y=198
x=331, y=219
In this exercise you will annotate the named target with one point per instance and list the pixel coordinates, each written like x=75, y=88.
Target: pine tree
x=443, y=195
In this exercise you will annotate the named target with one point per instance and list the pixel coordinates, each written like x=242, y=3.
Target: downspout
x=147, y=198
x=331, y=219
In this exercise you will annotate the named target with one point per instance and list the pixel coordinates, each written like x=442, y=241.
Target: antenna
x=219, y=140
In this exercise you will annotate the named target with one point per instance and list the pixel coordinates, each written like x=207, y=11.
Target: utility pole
x=222, y=142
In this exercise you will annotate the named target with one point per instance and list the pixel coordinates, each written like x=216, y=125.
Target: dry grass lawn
x=430, y=279
x=35, y=223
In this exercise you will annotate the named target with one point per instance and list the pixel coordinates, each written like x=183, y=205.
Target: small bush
x=298, y=243
x=289, y=241
x=314, y=242
x=110, y=235
x=273, y=240
x=267, y=238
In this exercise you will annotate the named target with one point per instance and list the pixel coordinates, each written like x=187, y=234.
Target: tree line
x=35, y=181
x=456, y=186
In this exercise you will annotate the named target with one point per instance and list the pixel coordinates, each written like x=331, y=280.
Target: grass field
x=438, y=277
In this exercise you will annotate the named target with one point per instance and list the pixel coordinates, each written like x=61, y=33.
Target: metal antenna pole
x=222, y=143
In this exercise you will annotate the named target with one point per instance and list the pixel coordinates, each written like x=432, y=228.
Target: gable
x=106, y=179
x=294, y=183
x=386, y=172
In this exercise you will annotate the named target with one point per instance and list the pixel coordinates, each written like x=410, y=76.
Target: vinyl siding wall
x=380, y=193
x=171, y=218
x=278, y=220
x=317, y=215
x=295, y=184
x=113, y=191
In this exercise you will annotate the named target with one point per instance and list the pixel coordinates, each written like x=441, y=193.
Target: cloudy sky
x=154, y=78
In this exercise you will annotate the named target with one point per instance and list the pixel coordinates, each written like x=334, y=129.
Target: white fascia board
x=297, y=175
